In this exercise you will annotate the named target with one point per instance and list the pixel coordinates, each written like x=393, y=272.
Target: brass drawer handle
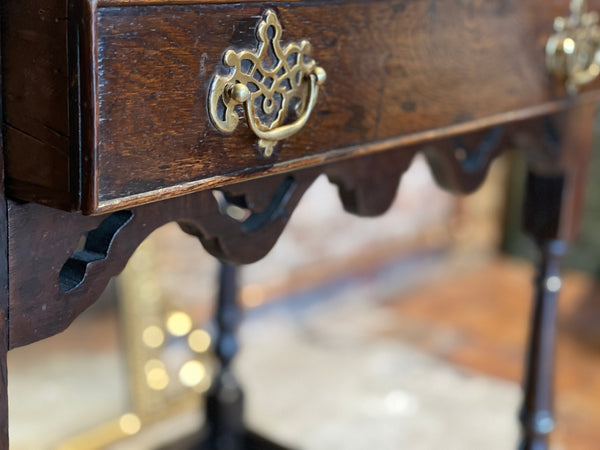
x=573, y=52
x=267, y=81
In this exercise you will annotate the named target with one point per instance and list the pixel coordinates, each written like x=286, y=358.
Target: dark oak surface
x=392, y=70
x=390, y=73
x=35, y=94
x=137, y=129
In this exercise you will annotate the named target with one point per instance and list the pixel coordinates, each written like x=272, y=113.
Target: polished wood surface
x=137, y=128
x=457, y=81
x=35, y=83
x=390, y=71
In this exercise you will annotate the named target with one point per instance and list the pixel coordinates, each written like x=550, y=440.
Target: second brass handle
x=573, y=51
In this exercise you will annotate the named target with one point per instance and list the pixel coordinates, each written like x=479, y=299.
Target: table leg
x=537, y=412
x=224, y=428
x=552, y=213
x=224, y=402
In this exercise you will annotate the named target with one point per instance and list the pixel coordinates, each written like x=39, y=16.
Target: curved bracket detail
x=461, y=164
x=61, y=281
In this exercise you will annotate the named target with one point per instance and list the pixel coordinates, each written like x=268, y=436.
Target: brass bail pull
x=267, y=90
x=573, y=51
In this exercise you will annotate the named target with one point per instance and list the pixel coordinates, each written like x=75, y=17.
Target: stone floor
x=352, y=365
x=329, y=378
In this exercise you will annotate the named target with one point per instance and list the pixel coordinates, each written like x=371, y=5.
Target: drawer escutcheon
x=270, y=82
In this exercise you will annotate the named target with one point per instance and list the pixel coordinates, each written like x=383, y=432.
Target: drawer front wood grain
x=394, y=69
x=398, y=73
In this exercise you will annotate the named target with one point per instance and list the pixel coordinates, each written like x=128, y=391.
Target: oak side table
x=119, y=116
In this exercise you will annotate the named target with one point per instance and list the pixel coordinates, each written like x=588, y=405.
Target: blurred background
x=404, y=331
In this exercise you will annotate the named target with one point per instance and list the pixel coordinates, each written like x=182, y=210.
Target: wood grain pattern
x=415, y=70
x=36, y=100
x=399, y=73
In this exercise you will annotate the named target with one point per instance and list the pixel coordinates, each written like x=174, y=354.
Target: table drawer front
x=394, y=68
x=398, y=72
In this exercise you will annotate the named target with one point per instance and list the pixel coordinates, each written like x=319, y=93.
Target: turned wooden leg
x=224, y=402
x=537, y=413
x=553, y=208
x=224, y=427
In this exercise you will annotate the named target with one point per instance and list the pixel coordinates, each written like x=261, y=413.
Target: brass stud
x=238, y=92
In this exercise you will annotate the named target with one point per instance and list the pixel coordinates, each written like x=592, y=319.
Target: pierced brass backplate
x=573, y=52
x=271, y=82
